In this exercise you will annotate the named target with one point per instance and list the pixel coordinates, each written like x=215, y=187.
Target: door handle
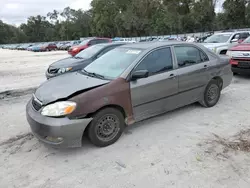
x=172, y=76
x=205, y=67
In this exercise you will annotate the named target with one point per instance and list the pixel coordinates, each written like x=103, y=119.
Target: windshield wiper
x=94, y=74
x=77, y=57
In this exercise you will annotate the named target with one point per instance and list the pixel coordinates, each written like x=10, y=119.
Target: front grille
x=52, y=70
x=37, y=106
x=244, y=64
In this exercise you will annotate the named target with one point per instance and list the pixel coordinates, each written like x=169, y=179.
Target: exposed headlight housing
x=59, y=109
x=63, y=70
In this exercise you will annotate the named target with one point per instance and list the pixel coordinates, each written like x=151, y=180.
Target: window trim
x=188, y=45
x=149, y=52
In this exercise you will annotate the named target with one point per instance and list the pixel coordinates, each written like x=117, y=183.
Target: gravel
x=172, y=150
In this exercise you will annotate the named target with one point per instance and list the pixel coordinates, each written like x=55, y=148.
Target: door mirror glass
x=139, y=74
x=234, y=40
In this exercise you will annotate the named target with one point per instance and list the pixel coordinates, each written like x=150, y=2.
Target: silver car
x=126, y=85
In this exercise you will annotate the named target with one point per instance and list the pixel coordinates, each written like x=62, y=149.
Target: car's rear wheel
x=106, y=127
x=212, y=94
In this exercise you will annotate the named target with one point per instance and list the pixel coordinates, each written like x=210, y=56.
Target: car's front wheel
x=106, y=127
x=212, y=94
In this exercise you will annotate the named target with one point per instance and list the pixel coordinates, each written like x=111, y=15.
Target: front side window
x=112, y=64
x=157, y=61
x=188, y=55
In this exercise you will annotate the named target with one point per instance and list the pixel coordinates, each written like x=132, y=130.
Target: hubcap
x=107, y=127
x=212, y=93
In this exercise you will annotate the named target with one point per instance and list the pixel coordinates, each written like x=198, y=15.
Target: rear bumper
x=57, y=132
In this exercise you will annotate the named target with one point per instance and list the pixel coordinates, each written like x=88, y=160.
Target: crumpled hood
x=241, y=47
x=65, y=85
x=67, y=62
x=213, y=45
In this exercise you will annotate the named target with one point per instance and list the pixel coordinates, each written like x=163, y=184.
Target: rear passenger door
x=193, y=71
x=155, y=94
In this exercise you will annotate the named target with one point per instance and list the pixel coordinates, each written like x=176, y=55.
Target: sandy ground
x=172, y=150
x=20, y=69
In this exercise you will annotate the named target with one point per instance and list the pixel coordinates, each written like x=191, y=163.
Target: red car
x=49, y=47
x=240, y=57
x=87, y=43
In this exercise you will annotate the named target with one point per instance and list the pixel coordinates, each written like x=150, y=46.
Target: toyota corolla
x=126, y=85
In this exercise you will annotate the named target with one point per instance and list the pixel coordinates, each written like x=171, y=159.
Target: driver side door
x=156, y=93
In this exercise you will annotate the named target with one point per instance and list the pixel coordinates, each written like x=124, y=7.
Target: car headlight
x=214, y=49
x=229, y=53
x=59, y=109
x=63, y=70
x=75, y=49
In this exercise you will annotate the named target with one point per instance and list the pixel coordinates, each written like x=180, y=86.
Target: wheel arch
x=219, y=80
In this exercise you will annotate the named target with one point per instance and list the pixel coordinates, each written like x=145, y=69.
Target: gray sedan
x=126, y=85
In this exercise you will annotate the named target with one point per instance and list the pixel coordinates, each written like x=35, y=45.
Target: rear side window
x=188, y=55
x=158, y=61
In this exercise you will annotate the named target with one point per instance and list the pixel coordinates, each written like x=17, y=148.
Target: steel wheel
x=107, y=128
x=213, y=93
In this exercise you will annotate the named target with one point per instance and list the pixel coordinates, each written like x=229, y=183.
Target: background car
x=221, y=42
x=50, y=46
x=80, y=60
x=70, y=44
x=240, y=57
x=87, y=43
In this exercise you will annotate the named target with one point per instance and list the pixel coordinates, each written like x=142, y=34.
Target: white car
x=221, y=42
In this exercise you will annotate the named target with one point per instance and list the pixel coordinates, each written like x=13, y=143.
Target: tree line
x=130, y=18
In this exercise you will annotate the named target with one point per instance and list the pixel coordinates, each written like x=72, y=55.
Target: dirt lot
x=190, y=147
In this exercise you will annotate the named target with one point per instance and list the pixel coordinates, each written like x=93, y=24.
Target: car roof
x=153, y=44
x=230, y=33
x=111, y=44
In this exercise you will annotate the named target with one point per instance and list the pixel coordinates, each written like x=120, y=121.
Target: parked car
x=36, y=48
x=221, y=42
x=80, y=60
x=68, y=45
x=127, y=84
x=240, y=57
x=24, y=46
x=50, y=46
x=87, y=43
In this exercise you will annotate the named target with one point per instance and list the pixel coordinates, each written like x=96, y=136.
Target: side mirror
x=234, y=40
x=139, y=74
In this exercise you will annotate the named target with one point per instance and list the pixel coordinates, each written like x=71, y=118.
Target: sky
x=17, y=11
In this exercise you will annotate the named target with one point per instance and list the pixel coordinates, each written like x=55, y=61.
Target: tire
x=102, y=134
x=212, y=94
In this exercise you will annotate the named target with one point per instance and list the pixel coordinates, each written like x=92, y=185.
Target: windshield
x=220, y=38
x=247, y=40
x=112, y=64
x=84, y=42
x=89, y=52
